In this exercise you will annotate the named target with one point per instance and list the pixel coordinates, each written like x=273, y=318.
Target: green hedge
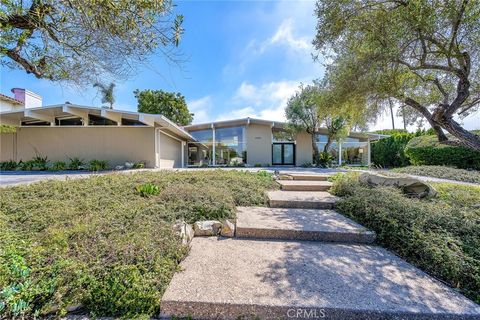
x=426, y=150
x=389, y=152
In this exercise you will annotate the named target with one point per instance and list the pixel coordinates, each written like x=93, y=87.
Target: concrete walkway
x=267, y=273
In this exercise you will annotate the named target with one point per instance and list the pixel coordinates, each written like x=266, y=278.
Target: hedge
x=426, y=150
x=389, y=152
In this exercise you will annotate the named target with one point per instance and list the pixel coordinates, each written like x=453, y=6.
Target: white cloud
x=200, y=108
x=284, y=36
x=266, y=101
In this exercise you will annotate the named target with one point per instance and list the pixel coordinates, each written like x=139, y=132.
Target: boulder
x=409, y=185
x=129, y=165
x=119, y=167
x=228, y=228
x=207, y=228
x=185, y=231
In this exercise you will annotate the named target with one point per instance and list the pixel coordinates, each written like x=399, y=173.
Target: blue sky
x=241, y=58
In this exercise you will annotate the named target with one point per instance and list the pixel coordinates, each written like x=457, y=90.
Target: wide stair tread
x=307, y=176
x=301, y=199
x=262, y=279
x=304, y=185
x=299, y=224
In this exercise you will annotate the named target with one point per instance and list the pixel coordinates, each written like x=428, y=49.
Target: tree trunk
x=404, y=119
x=316, y=154
x=391, y=113
x=328, y=144
x=465, y=137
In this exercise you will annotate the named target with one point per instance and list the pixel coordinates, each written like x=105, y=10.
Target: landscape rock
x=119, y=167
x=410, y=186
x=185, y=231
x=129, y=165
x=228, y=228
x=207, y=228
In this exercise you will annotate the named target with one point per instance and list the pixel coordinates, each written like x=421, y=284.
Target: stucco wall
x=303, y=148
x=259, y=144
x=170, y=152
x=7, y=146
x=115, y=144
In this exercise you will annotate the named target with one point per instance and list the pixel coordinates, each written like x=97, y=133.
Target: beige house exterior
x=66, y=131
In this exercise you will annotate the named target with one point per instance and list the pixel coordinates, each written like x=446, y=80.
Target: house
x=22, y=98
x=65, y=131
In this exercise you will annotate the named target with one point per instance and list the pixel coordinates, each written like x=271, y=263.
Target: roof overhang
x=65, y=111
x=234, y=122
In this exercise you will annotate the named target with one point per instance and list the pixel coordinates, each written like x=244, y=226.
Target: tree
x=171, y=105
x=107, y=93
x=423, y=54
x=302, y=113
x=82, y=41
x=338, y=128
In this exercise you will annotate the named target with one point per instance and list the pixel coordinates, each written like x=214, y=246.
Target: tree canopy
x=422, y=53
x=82, y=41
x=171, y=105
x=107, y=93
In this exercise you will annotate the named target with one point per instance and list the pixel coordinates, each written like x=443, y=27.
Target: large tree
x=83, y=41
x=171, y=105
x=422, y=53
x=107, y=93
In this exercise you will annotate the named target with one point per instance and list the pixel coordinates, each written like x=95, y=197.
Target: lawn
x=442, y=172
x=439, y=235
x=99, y=243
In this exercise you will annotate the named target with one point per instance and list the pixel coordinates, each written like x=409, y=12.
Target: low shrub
x=58, y=166
x=389, y=152
x=76, y=163
x=8, y=165
x=97, y=243
x=138, y=165
x=426, y=150
x=325, y=159
x=98, y=165
x=442, y=172
x=148, y=189
x=439, y=235
x=26, y=165
x=40, y=163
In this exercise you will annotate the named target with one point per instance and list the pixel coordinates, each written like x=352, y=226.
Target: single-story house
x=65, y=131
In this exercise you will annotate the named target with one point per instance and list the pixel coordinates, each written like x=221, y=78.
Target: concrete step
x=301, y=199
x=258, y=279
x=299, y=224
x=308, y=176
x=296, y=185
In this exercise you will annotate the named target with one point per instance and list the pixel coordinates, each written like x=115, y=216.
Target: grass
x=100, y=243
x=439, y=235
x=442, y=172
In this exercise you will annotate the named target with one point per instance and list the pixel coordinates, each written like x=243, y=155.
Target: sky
x=239, y=59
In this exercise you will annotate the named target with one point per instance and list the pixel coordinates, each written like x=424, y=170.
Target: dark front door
x=283, y=153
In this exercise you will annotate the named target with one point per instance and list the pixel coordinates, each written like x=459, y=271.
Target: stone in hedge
x=207, y=228
x=410, y=186
x=228, y=228
x=185, y=231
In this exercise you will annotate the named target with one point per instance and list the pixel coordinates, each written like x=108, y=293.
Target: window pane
x=277, y=153
x=288, y=153
x=203, y=135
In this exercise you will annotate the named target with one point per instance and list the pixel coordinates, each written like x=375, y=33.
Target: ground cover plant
x=442, y=172
x=100, y=243
x=439, y=235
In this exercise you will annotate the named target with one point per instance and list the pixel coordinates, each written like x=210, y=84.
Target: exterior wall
x=170, y=152
x=259, y=144
x=304, y=150
x=7, y=146
x=9, y=106
x=115, y=144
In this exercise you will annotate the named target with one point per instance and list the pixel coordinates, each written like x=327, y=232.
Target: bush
x=442, y=172
x=98, y=165
x=76, y=163
x=325, y=159
x=439, y=235
x=148, y=189
x=96, y=242
x=40, y=163
x=26, y=165
x=389, y=152
x=427, y=150
x=58, y=166
x=8, y=165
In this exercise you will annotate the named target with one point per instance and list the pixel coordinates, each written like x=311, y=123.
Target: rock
x=185, y=231
x=129, y=165
x=284, y=177
x=119, y=167
x=410, y=186
x=228, y=228
x=207, y=228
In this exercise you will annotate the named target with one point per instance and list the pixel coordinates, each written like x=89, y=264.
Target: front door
x=283, y=153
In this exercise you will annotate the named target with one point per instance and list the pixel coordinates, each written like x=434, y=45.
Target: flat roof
x=49, y=113
x=273, y=124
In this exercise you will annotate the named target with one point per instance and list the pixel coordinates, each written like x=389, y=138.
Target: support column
x=183, y=154
x=369, y=155
x=214, y=162
x=339, y=153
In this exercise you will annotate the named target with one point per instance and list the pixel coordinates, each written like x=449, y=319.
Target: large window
x=228, y=143
x=353, y=151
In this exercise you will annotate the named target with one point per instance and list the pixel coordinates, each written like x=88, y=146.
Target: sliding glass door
x=283, y=153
